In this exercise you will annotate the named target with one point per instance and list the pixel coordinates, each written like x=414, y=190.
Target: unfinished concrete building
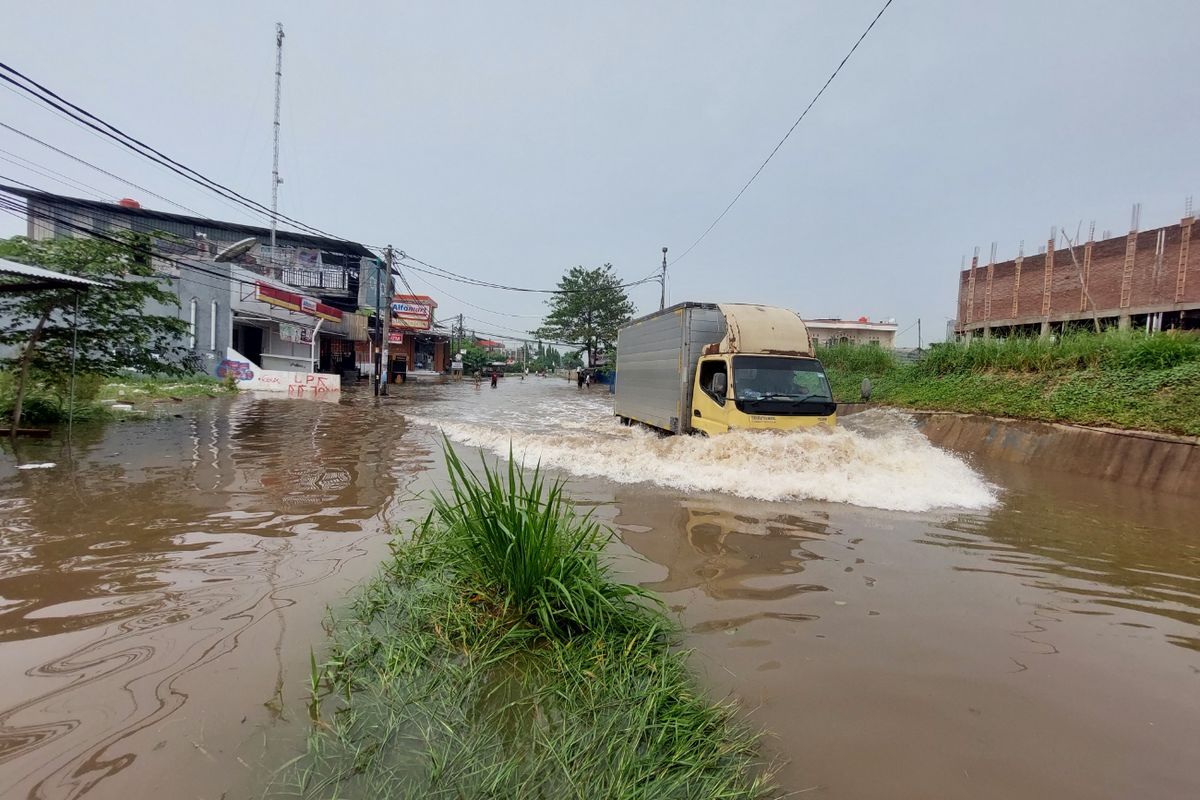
x=1145, y=279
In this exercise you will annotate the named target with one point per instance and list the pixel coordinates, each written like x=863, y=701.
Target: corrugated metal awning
x=40, y=278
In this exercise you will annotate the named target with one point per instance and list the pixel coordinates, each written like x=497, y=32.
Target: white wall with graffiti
x=294, y=384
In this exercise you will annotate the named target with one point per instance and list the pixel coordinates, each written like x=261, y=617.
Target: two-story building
x=290, y=308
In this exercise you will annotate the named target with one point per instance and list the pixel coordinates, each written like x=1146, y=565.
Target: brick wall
x=1152, y=283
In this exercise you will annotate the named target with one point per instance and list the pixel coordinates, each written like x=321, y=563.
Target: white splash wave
x=888, y=464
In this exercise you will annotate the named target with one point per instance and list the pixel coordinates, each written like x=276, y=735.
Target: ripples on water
x=160, y=550
x=154, y=548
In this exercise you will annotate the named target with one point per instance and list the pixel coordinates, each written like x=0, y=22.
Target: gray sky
x=511, y=141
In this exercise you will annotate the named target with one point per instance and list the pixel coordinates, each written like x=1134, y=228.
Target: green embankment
x=48, y=402
x=1123, y=380
x=495, y=656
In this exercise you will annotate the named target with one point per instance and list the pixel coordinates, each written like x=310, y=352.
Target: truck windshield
x=799, y=380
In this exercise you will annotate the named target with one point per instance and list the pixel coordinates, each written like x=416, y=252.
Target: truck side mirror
x=719, y=383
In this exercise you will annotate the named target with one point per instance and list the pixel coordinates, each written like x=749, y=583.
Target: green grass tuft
x=1119, y=379
x=494, y=657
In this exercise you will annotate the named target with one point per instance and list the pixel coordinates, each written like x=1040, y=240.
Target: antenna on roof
x=275, y=179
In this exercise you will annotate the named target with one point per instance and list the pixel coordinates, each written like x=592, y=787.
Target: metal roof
x=336, y=246
x=40, y=278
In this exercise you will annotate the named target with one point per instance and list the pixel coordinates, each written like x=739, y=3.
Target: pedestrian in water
x=495, y=378
x=579, y=379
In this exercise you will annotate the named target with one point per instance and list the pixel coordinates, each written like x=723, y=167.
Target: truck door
x=710, y=396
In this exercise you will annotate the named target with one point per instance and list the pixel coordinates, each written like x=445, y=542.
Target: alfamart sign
x=414, y=316
x=296, y=302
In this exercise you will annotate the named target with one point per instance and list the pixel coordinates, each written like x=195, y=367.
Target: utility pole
x=378, y=323
x=275, y=179
x=918, y=333
x=384, y=372
x=662, y=301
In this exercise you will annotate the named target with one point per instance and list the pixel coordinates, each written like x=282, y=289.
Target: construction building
x=1144, y=279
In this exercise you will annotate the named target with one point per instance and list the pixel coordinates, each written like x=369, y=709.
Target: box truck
x=712, y=367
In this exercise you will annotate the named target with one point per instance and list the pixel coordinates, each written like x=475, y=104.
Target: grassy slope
x=1123, y=380
x=538, y=678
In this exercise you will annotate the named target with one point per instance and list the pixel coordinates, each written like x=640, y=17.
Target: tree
x=475, y=358
x=114, y=329
x=590, y=306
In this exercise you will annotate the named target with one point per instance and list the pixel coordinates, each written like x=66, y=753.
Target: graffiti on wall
x=240, y=370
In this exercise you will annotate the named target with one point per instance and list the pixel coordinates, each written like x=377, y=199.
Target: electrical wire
x=17, y=209
x=47, y=172
x=442, y=272
x=441, y=290
x=799, y=119
x=101, y=170
x=52, y=99
x=56, y=101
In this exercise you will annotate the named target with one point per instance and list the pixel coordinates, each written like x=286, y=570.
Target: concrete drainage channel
x=1154, y=461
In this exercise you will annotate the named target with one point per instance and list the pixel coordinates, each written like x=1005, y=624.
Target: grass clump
x=1118, y=379
x=496, y=657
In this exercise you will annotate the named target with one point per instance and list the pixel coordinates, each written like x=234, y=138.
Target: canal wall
x=1153, y=461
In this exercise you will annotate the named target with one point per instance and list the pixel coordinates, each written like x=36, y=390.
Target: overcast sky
x=513, y=140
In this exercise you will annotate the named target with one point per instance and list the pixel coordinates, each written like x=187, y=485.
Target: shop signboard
x=413, y=316
x=295, y=302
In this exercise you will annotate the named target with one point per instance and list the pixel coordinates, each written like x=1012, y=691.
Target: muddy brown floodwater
x=901, y=622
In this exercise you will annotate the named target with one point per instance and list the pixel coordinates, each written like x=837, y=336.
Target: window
x=192, y=325
x=708, y=370
x=875, y=341
x=212, y=327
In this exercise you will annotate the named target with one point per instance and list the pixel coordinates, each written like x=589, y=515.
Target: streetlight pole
x=662, y=301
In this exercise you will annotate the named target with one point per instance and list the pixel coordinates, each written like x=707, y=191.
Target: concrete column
x=1124, y=322
x=1045, y=329
x=987, y=332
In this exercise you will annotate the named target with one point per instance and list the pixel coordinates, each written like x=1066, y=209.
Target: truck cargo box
x=656, y=363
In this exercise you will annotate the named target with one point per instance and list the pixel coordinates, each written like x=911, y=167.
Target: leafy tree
x=588, y=310
x=115, y=329
x=475, y=358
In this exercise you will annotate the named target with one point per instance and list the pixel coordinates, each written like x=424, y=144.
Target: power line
x=101, y=170
x=16, y=209
x=799, y=119
x=441, y=290
x=56, y=101
x=46, y=172
x=51, y=98
x=442, y=272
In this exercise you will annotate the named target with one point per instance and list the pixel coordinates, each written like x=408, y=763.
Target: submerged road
x=899, y=621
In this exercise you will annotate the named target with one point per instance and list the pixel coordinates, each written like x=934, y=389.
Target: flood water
x=901, y=622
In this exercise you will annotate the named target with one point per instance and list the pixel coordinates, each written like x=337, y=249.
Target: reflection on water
x=1012, y=634
x=938, y=647
x=1098, y=554
x=152, y=549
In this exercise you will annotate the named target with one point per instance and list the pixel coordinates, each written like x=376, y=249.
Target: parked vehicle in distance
x=711, y=368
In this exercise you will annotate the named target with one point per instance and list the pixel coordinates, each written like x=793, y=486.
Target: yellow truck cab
x=709, y=368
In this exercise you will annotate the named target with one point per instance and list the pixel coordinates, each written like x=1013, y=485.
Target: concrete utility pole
x=384, y=372
x=918, y=333
x=378, y=323
x=662, y=301
x=275, y=179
